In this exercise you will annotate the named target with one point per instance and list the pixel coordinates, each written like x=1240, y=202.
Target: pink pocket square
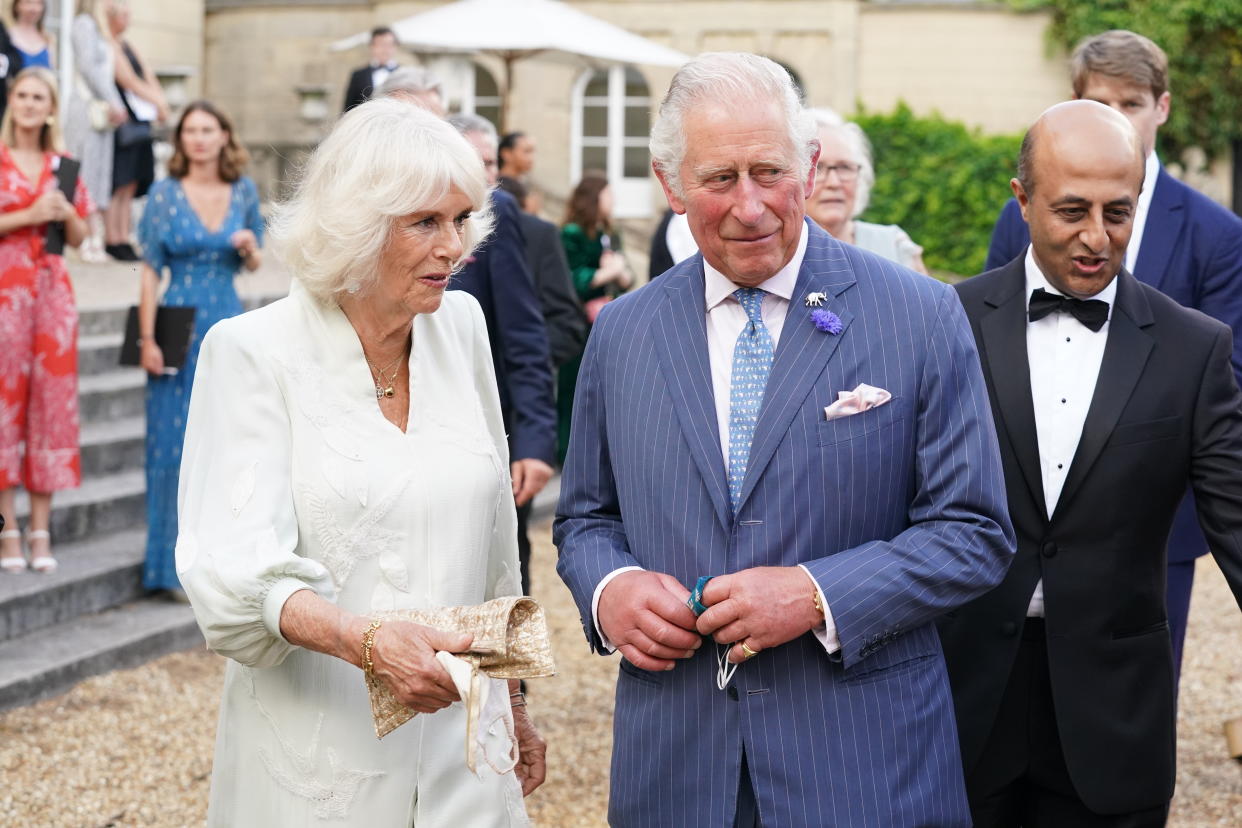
x=862, y=398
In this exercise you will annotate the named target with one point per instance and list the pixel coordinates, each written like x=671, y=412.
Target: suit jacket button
x=1048, y=549
x=1009, y=629
x=732, y=691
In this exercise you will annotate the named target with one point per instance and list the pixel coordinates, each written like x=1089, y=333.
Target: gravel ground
x=134, y=747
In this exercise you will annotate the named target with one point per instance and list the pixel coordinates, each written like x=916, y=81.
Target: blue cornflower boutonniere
x=827, y=321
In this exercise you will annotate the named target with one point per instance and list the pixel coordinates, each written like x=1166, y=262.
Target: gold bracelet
x=368, y=642
x=819, y=605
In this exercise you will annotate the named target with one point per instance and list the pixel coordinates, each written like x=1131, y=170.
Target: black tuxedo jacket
x=1166, y=412
x=359, y=89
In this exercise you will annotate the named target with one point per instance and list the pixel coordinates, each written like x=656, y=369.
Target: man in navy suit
x=1184, y=244
x=1109, y=399
x=807, y=423
x=498, y=277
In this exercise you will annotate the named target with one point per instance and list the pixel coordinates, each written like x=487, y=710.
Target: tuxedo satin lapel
x=803, y=352
x=1004, y=342
x=680, y=325
x=1124, y=357
x=1165, y=217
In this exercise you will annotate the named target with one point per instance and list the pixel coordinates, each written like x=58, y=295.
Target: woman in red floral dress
x=38, y=320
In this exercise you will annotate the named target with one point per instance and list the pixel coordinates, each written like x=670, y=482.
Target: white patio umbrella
x=517, y=29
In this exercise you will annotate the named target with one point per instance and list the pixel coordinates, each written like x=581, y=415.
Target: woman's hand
x=404, y=658
x=152, y=359
x=117, y=115
x=532, y=751
x=247, y=246
x=49, y=207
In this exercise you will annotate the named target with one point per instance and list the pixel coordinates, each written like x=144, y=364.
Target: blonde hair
x=94, y=9
x=49, y=137
x=384, y=159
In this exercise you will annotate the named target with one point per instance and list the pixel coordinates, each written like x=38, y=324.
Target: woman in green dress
x=599, y=272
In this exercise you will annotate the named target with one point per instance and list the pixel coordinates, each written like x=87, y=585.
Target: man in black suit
x=1109, y=399
x=366, y=79
x=1184, y=244
x=497, y=276
x=10, y=65
x=545, y=257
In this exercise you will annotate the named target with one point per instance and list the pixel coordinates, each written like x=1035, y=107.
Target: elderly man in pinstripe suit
x=807, y=423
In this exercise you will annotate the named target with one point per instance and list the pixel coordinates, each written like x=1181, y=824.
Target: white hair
x=827, y=120
x=721, y=79
x=413, y=80
x=384, y=159
x=465, y=123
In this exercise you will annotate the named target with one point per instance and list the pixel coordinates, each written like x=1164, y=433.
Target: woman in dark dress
x=133, y=160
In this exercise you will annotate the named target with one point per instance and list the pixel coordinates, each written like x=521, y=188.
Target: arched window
x=610, y=131
x=486, y=95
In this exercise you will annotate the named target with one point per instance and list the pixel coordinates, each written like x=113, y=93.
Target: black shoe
x=123, y=252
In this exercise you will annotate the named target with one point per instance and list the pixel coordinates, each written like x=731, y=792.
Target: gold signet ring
x=748, y=652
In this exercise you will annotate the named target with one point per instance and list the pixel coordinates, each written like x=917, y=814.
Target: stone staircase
x=92, y=615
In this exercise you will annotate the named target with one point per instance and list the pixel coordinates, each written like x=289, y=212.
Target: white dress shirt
x=1064, y=357
x=1151, y=172
x=725, y=320
x=379, y=74
x=678, y=238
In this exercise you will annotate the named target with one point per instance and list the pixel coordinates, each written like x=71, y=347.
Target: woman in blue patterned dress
x=203, y=225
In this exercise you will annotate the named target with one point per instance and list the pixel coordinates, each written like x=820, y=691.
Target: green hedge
x=943, y=183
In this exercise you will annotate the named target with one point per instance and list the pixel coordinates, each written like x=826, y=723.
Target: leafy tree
x=1203, y=39
x=943, y=183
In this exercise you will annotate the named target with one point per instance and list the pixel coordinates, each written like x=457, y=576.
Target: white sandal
x=13, y=564
x=44, y=562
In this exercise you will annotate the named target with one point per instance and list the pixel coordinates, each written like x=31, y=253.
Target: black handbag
x=133, y=133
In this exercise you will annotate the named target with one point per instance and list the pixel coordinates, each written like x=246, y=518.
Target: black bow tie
x=1091, y=312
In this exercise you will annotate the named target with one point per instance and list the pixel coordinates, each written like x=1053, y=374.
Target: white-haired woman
x=843, y=179
x=344, y=456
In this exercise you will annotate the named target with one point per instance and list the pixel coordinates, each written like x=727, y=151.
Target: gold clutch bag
x=510, y=642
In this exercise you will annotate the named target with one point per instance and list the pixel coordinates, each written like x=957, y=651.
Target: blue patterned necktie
x=752, y=362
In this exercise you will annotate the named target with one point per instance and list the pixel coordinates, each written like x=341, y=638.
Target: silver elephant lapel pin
x=814, y=300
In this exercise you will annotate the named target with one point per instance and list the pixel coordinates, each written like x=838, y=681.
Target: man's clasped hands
x=645, y=616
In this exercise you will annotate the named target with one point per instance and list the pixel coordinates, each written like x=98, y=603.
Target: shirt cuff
x=599, y=590
x=274, y=603
x=827, y=631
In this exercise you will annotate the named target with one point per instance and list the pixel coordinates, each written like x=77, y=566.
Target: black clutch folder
x=174, y=327
x=67, y=181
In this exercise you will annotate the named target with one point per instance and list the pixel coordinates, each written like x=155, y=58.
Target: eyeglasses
x=845, y=172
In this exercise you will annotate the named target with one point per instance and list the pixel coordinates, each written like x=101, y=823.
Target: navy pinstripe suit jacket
x=899, y=513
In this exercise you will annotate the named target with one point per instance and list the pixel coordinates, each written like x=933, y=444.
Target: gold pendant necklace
x=385, y=385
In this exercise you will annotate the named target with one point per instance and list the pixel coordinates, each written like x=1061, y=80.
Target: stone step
x=101, y=505
x=110, y=319
x=112, y=396
x=110, y=447
x=98, y=353
x=49, y=661
x=93, y=575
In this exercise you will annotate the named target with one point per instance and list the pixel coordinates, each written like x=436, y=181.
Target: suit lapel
x=1125, y=354
x=681, y=343
x=1165, y=216
x=1003, y=332
x=804, y=350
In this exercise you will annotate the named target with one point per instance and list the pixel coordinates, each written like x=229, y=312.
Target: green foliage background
x=1203, y=39
x=942, y=183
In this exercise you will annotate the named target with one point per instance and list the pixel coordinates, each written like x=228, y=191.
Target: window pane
x=637, y=162
x=637, y=121
x=598, y=84
x=484, y=84
x=594, y=159
x=635, y=85
x=595, y=121
x=489, y=111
